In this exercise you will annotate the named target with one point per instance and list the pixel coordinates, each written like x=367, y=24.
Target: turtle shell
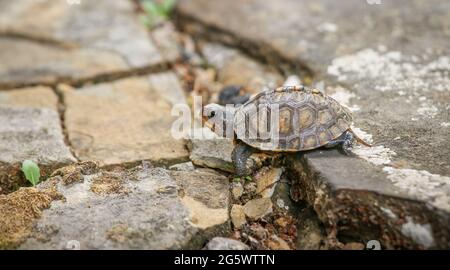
x=307, y=119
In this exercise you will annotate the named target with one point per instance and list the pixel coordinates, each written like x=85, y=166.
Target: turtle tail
x=358, y=139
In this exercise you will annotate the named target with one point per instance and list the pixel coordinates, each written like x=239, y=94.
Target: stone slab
x=30, y=129
x=71, y=42
x=132, y=123
x=139, y=208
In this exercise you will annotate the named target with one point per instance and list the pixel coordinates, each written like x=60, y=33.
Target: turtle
x=285, y=119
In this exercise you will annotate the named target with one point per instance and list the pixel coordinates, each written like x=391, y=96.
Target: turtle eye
x=212, y=114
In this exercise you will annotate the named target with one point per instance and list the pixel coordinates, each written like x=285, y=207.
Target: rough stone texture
x=168, y=86
x=70, y=42
x=132, y=122
x=157, y=211
x=367, y=208
x=237, y=216
x=32, y=97
x=266, y=181
x=222, y=243
x=185, y=166
x=25, y=62
x=206, y=194
x=235, y=68
x=258, y=208
x=213, y=153
x=30, y=129
x=390, y=66
x=166, y=40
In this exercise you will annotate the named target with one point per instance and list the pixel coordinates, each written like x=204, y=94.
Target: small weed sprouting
x=31, y=171
x=156, y=11
x=248, y=178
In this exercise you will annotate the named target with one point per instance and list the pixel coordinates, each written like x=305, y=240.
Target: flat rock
x=30, y=129
x=267, y=180
x=213, y=153
x=25, y=62
x=370, y=205
x=185, y=166
x=71, y=42
x=206, y=194
x=235, y=68
x=237, y=216
x=132, y=122
x=31, y=97
x=139, y=208
x=222, y=243
x=258, y=208
x=168, y=86
x=315, y=33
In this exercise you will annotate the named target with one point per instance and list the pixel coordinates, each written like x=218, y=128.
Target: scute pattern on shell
x=308, y=119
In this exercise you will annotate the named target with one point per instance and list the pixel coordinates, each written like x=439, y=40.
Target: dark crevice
x=102, y=78
x=61, y=107
x=260, y=51
x=47, y=41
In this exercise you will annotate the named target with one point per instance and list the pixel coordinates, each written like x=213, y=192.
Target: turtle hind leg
x=345, y=142
x=240, y=155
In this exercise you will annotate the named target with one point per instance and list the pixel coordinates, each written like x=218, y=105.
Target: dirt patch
x=19, y=210
x=75, y=173
x=109, y=183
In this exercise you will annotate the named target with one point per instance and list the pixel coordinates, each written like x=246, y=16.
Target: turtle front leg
x=345, y=141
x=239, y=156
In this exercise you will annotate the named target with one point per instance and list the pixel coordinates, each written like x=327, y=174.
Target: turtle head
x=219, y=119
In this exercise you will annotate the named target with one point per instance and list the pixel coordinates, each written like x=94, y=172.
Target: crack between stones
x=261, y=52
x=61, y=107
x=97, y=79
x=47, y=41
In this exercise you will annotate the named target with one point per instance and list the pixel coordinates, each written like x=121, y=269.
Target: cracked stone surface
x=71, y=42
x=30, y=129
x=390, y=66
x=132, y=122
x=235, y=68
x=139, y=208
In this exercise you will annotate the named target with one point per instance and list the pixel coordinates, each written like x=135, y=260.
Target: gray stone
x=132, y=123
x=367, y=202
x=235, y=68
x=168, y=86
x=185, y=166
x=212, y=153
x=258, y=208
x=237, y=216
x=71, y=42
x=30, y=129
x=267, y=180
x=25, y=62
x=316, y=33
x=222, y=243
x=139, y=208
x=237, y=190
x=167, y=41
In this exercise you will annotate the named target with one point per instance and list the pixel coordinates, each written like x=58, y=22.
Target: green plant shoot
x=31, y=171
x=156, y=12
